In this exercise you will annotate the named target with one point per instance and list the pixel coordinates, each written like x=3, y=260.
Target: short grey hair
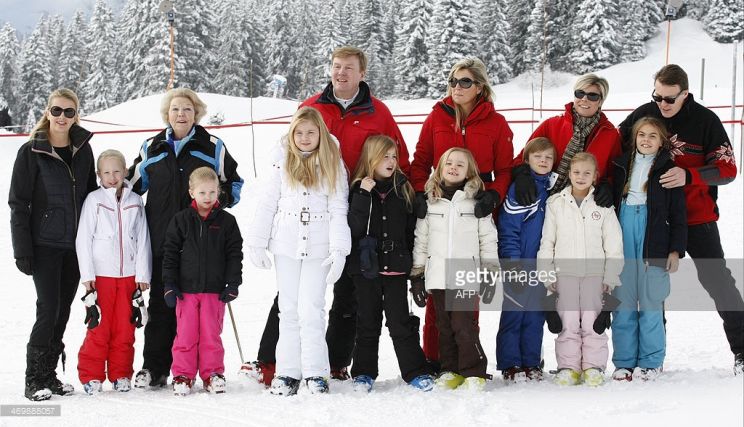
x=200, y=108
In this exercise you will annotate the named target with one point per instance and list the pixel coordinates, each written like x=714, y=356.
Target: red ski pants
x=112, y=341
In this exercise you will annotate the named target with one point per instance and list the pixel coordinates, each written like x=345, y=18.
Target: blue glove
x=171, y=292
x=229, y=293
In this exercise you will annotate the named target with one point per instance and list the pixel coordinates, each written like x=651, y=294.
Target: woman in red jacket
x=582, y=127
x=464, y=118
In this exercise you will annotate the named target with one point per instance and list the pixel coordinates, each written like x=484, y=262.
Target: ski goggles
x=592, y=96
x=57, y=111
x=465, y=82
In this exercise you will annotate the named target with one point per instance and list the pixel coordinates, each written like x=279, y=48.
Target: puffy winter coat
x=203, y=255
x=603, y=142
x=701, y=147
x=164, y=175
x=520, y=227
x=451, y=233
x=365, y=117
x=298, y=222
x=580, y=241
x=46, y=195
x=112, y=239
x=391, y=223
x=485, y=133
x=666, y=223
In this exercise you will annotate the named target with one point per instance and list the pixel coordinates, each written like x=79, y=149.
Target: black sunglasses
x=667, y=99
x=57, y=111
x=592, y=96
x=464, y=82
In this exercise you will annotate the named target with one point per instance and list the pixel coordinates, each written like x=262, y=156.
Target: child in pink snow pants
x=581, y=254
x=202, y=269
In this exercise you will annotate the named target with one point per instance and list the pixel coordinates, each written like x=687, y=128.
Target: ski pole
x=235, y=329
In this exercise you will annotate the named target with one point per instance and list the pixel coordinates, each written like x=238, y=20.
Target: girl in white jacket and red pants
x=581, y=257
x=301, y=218
x=113, y=251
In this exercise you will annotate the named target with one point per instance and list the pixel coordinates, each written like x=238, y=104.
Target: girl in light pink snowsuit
x=580, y=256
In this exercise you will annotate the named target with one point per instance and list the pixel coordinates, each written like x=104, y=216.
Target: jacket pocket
x=52, y=225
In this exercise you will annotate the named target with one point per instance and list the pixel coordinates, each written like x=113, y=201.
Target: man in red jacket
x=704, y=160
x=352, y=115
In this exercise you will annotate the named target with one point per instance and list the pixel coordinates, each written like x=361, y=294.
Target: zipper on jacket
x=121, y=241
x=450, y=228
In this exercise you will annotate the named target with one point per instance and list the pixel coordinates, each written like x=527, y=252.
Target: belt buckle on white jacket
x=305, y=217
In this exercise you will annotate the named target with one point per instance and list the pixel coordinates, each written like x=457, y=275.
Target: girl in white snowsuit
x=580, y=256
x=301, y=219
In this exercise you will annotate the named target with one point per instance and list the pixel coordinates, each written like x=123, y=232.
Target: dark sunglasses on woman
x=592, y=96
x=464, y=82
x=69, y=112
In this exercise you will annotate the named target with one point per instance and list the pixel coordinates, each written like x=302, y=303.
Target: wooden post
x=669, y=34
x=702, y=78
x=172, y=71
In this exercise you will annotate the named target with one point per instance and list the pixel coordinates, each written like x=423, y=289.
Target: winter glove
x=171, y=292
x=603, y=194
x=487, y=290
x=229, y=293
x=555, y=325
x=603, y=320
x=419, y=205
x=485, y=202
x=512, y=279
x=139, y=311
x=259, y=258
x=418, y=291
x=525, y=189
x=25, y=265
x=336, y=261
x=92, y=311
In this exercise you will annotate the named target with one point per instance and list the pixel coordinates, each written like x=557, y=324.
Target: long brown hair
x=478, y=69
x=43, y=124
x=435, y=182
x=661, y=129
x=373, y=152
x=301, y=168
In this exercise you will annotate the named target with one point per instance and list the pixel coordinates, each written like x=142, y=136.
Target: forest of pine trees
x=233, y=46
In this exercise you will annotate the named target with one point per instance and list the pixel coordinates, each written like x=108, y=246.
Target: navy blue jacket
x=520, y=227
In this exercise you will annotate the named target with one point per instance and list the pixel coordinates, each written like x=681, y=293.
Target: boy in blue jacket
x=519, y=339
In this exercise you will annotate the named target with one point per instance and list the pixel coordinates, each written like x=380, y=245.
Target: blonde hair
x=661, y=129
x=111, y=154
x=200, y=108
x=347, y=51
x=536, y=145
x=580, y=157
x=300, y=168
x=587, y=80
x=477, y=68
x=43, y=124
x=203, y=174
x=373, y=152
x=435, y=182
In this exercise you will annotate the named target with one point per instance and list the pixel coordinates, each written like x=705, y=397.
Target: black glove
x=229, y=293
x=487, y=291
x=171, y=292
x=512, y=279
x=555, y=324
x=419, y=205
x=92, y=311
x=524, y=185
x=603, y=194
x=604, y=320
x=25, y=265
x=139, y=311
x=418, y=290
x=485, y=202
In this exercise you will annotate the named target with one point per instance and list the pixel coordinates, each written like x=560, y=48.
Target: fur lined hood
x=471, y=189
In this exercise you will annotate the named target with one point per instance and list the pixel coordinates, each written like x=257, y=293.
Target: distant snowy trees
x=233, y=47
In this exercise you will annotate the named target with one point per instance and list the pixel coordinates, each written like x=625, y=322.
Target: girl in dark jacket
x=52, y=175
x=638, y=336
x=382, y=223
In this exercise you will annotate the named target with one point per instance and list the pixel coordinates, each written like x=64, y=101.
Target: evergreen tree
x=9, y=49
x=636, y=27
x=371, y=40
x=195, y=41
x=494, y=45
x=538, y=38
x=386, y=82
x=559, y=43
x=73, y=55
x=331, y=37
x=596, y=43
x=34, y=72
x=411, y=56
x=518, y=14
x=279, y=39
x=304, y=36
x=724, y=21
x=54, y=35
x=30, y=120
x=98, y=83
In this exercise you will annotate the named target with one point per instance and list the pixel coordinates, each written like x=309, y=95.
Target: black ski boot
x=35, y=389
x=50, y=371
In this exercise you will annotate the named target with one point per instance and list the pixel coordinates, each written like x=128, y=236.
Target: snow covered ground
x=696, y=388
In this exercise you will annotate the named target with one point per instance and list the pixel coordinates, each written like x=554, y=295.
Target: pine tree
x=371, y=41
x=411, y=55
x=97, y=85
x=30, y=120
x=195, y=38
x=386, y=82
x=54, y=33
x=518, y=14
x=494, y=46
x=724, y=21
x=279, y=40
x=561, y=15
x=331, y=37
x=635, y=28
x=538, y=38
x=34, y=72
x=596, y=43
x=9, y=49
x=304, y=36
x=73, y=55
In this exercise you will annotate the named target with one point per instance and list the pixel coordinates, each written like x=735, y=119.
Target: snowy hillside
x=696, y=388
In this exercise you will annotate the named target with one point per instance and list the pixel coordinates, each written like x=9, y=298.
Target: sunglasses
x=592, y=96
x=667, y=99
x=57, y=111
x=464, y=82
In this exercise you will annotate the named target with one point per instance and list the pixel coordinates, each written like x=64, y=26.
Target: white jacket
x=112, y=238
x=580, y=241
x=451, y=233
x=298, y=222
